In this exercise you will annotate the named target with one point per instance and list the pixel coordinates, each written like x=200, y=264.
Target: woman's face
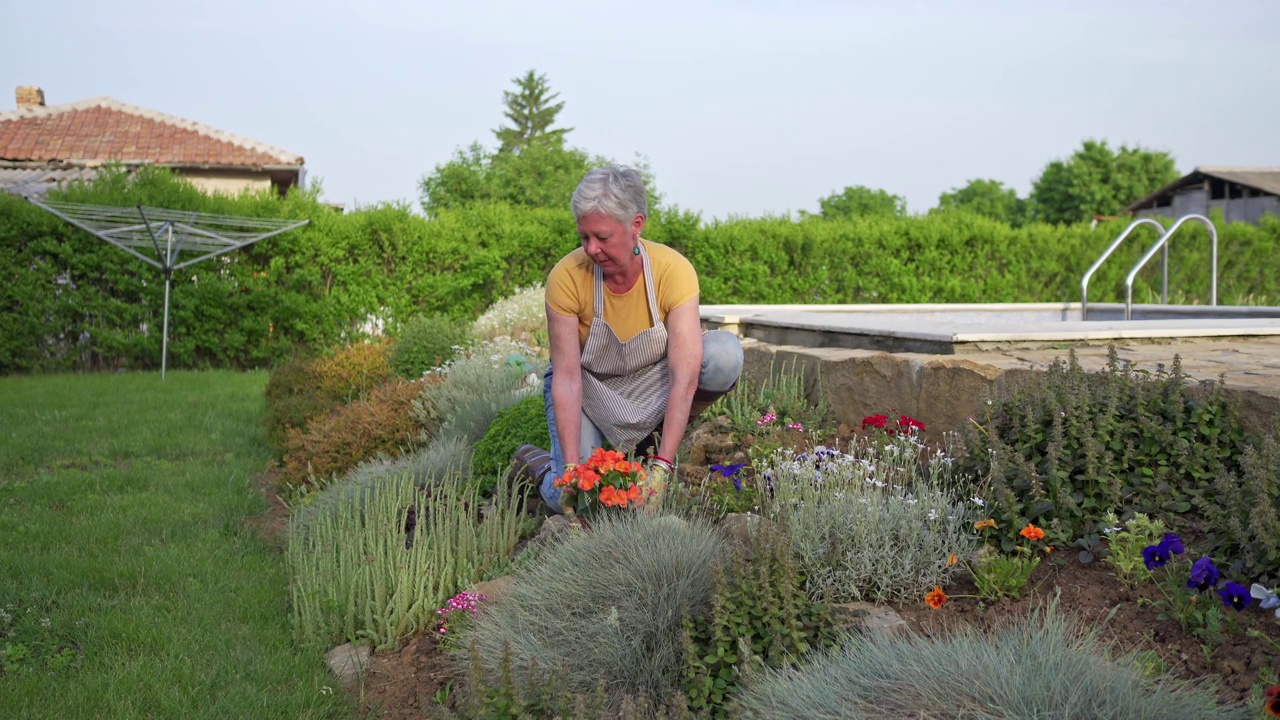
x=608, y=242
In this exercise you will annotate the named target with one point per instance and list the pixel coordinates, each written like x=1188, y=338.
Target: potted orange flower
x=606, y=480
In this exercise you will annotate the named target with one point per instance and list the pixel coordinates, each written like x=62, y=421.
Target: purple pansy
x=1204, y=575
x=1235, y=595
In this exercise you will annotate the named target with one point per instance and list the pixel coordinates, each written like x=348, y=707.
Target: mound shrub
x=303, y=388
x=524, y=423
x=379, y=424
x=522, y=316
x=427, y=342
x=1044, y=666
x=605, y=605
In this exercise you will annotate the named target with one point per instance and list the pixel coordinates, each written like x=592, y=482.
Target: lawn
x=130, y=583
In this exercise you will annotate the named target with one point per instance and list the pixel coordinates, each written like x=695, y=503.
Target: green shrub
x=378, y=568
x=760, y=617
x=869, y=525
x=1244, y=523
x=427, y=342
x=381, y=423
x=524, y=423
x=344, y=275
x=607, y=604
x=1043, y=666
x=1063, y=448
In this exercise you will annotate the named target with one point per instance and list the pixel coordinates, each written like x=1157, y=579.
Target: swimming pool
x=958, y=328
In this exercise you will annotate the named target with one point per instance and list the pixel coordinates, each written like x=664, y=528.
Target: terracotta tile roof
x=104, y=129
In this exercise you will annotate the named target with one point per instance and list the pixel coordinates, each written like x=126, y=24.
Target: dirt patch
x=270, y=524
x=1091, y=594
x=409, y=683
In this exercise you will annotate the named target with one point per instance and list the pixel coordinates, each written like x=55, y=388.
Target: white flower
x=1108, y=531
x=978, y=501
x=933, y=515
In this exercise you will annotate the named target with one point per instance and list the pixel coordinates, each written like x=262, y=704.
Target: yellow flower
x=987, y=524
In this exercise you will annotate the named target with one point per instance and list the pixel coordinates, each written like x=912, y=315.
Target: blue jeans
x=721, y=367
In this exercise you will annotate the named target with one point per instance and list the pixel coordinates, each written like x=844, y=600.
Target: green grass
x=130, y=585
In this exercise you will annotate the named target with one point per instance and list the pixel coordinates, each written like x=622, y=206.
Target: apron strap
x=650, y=290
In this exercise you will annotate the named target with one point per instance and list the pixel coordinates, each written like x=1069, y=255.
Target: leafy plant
x=760, y=617
x=1125, y=544
x=997, y=575
x=1063, y=448
x=876, y=523
x=524, y=423
x=1043, y=665
x=1244, y=522
x=777, y=402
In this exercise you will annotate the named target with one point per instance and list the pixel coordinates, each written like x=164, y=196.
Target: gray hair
x=616, y=191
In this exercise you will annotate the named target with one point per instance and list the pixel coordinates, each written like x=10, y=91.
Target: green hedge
x=69, y=300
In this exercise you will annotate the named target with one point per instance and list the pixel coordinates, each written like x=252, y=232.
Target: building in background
x=44, y=145
x=1244, y=194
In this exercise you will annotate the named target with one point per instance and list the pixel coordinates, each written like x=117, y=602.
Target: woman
x=628, y=359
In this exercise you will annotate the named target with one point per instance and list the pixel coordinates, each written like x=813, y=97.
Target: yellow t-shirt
x=571, y=291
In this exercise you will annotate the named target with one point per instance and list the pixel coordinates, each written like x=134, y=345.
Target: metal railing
x=1084, y=283
x=1163, y=243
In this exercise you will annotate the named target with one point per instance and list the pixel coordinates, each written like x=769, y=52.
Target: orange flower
x=952, y=559
x=588, y=479
x=633, y=492
x=609, y=496
x=935, y=598
x=985, y=525
x=1031, y=532
x=1271, y=701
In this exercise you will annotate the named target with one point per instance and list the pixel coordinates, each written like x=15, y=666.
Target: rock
x=738, y=528
x=493, y=589
x=708, y=445
x=869, y=617
x=348, y=663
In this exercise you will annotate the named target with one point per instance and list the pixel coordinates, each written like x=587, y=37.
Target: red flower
x=1271, y=701
x=875, y=421
x=908, y=424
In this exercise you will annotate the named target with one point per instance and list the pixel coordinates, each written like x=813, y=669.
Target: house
x=44, y=145
x=1244, y=194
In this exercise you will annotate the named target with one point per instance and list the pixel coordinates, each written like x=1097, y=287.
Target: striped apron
x=625, y=384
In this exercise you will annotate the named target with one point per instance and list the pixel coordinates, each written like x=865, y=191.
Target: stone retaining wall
x=945, y=391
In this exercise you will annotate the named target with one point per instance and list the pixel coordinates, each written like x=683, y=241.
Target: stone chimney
x=30, y=96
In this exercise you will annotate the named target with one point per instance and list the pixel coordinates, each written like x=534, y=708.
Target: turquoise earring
x=635, y=250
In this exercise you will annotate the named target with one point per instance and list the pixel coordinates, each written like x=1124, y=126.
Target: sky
x=740, y=108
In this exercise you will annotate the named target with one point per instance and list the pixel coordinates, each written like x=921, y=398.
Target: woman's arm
x=684, y=361
x=566, y=382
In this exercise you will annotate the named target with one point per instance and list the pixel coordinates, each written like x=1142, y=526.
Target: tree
x=532, y=113
x=989, y=198
x=1096, y=180
x=860, y=201
x=532, y=168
